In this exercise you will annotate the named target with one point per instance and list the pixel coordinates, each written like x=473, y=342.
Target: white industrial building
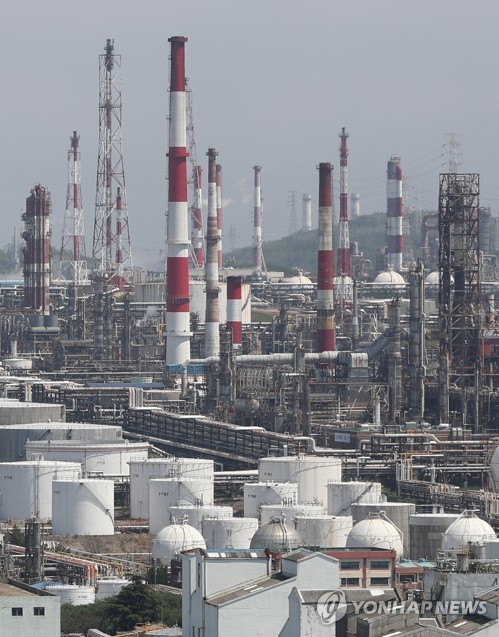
x=27, y=611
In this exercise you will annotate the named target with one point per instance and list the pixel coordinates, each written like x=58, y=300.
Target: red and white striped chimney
x=234, y=310
x=197, y=230
x=344, y=259
x=394, y=213
x=219, y=216
x=178, y=346
x=212, y=318
x=325, y=340
x=257, y=221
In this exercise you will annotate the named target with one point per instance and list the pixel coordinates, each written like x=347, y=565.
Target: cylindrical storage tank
x=397, y=512
x=26, y=487
x=83, y=507
x=102, y=458
x=167, y=492
x=73, y=594
x=311, y=473
x=340, y=495
x=141, y=472
x=324, y=531
x=109, y=587
x=289, y=512
x=258, y=493
x=195, y=515
x=231, y=533
x=426, y=531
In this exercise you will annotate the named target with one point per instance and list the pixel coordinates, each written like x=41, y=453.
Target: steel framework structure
x=459, y=294
x=112, y=257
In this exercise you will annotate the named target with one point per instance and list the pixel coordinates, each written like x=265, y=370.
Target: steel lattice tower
x=459, y=294
x=112, y=257
x=73, y=259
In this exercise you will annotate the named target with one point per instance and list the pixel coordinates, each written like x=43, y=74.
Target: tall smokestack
x=325, y=301
x=257, y=221
x=219, y=216
x=344, y=260
x=394, y=213
x=212, y=319
x=178, y=347
x=234, y=310
x=38, y=258
x=197, y=231
x=355, y=205
x=307, y=213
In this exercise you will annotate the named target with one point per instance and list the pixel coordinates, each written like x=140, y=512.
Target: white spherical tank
x=109, y=459
x=26, y=487
x=175, y=538
x=341, y=495
x=270, y=511
x=143, y=471
x=109, y=587
x=324, y=531
x=311, y=473
x=397, y=512
x=258, y=493
x=375, y=532
x=72, y=594
x=83, y=507
x=467, y=529
x=167, y=492
x=494, y=468
x=231, y=533
x=196, y=514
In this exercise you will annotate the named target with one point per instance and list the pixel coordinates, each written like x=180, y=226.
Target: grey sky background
x=273, y=82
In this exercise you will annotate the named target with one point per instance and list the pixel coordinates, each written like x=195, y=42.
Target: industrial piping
x=177, y=264
x=212, y=317
x=394, y=213
x=325, y=340
x=257, y=221
x=234, y=310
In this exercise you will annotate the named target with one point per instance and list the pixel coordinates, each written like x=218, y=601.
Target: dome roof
x=390, y=277
x=468, y=528
x=433, y=278
x=175, y=538
x=276, y=536
x=298, y=279
x=375, y=532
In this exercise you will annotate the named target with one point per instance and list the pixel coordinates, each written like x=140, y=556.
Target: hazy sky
x=273, y=82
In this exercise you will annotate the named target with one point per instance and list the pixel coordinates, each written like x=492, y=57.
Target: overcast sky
x=273, y=82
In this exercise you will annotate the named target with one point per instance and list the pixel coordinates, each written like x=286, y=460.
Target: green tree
x=15, y=536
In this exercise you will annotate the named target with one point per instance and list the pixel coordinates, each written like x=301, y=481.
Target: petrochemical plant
x=285, y=473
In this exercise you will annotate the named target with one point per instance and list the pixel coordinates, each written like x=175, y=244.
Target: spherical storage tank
x=276, y=536
x=467, y=529
x=144, y=470
x=230, y=533
x=310, y=473
x=258, y=493
x=83, y=507
x=26, y=487
x=375, y=532
x=340, y=495
x=325, y=531
x=109, y=587
x=73, y=594
x=397, y=512
x=175, y=538
x=494, y=468
x=167, y=492
x=196, y=514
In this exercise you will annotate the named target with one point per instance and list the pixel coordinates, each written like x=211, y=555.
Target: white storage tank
x=426, y=531
x=376, y=531
x=231, y=533
x=397, y=512
x=109, y=587
x=83, y=507
x=167, y=492
x=270, y=511
x=143, y=471
x=311, y=473
x=73, y=594
x=340, y=495
x=324, y=531
x=15, y=412
x=26, y=487
x=194, y=515
x=258, y=493
x=108, y=459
